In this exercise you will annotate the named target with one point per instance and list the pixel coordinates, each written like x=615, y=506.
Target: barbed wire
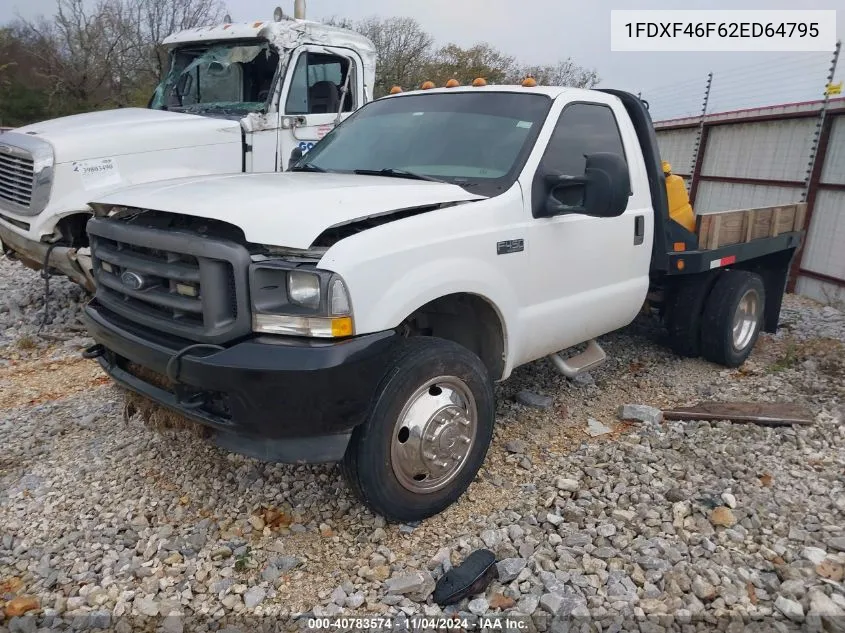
x=779, y=80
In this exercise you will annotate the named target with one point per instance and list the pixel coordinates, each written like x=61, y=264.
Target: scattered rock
x=640, y=413
x=509, y=568
x=254, y=596
x=596, y=428
x=478, y=606
x=790, y=608
x=515, y=446
x=729, y=500
x=722, y=516
x=20, y=605
x=531, y=399
x=417, y=585
x=569, y=485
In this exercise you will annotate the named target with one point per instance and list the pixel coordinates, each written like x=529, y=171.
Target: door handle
x=639, y=229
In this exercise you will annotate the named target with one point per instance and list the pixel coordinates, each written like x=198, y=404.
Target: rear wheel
x=428, y=432
x=733, y=317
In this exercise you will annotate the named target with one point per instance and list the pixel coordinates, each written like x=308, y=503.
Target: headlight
x=299, y=302
x=304, y=289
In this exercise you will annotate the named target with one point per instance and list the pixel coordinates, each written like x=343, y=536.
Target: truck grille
x=17, y=175
x=175, y=282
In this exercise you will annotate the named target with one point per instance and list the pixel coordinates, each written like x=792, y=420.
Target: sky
x=543, y=31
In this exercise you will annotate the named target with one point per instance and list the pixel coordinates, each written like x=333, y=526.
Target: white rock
x=790, y=608
x=729, y=499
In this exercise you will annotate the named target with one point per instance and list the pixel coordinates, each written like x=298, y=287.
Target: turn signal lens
x=529, y=82
x=341, y=326
x=427, y=85
x=681, y=265
x=679, y=247
x=290, y=325
x=453, y=83
x=478, y=82
x=395, y=90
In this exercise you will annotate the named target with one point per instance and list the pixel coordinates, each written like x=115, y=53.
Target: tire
x=733, y=317
x=385, y=465
x=684, y=310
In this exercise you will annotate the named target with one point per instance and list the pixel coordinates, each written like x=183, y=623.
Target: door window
x=317, y=85
x=582, y=128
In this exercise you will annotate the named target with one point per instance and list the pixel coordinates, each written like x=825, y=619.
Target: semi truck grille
x=176, y=282
x=17, y=175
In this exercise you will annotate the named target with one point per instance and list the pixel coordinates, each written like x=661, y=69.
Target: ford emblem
x=132, y=280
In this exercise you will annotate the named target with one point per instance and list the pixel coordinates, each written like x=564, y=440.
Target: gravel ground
x=650, y=526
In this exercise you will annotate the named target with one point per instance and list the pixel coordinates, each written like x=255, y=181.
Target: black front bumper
x=277, y=399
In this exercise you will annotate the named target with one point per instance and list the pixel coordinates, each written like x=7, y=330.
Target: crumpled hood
x=288, y=209
x=129, y=131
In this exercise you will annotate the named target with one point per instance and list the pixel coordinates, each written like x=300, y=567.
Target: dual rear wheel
x=717, y=318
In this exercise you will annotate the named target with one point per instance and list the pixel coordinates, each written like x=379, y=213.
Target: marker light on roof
x=479, y=81
x=427, y=85
x=227, y=18
x=278, y=14
x=395, y=90
x=529, y=82
x=453, y=83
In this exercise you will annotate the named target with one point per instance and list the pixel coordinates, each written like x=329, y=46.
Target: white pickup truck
x=359, y=307
x=238, y=98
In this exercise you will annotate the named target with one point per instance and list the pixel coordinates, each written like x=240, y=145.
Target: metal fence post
x=697, y=154
x=818, y=150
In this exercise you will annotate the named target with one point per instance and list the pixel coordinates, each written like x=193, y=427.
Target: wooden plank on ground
x=763, y=413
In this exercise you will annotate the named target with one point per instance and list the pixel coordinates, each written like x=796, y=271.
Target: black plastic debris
x=467, y=579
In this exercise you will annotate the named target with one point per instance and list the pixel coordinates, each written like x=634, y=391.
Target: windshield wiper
x=396, y=173
x=308, y=167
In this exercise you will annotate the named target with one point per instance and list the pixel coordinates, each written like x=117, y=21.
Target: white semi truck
x=237, y=98
x=360, y=306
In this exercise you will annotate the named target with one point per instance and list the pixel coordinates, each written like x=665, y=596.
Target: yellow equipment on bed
x=680, y=209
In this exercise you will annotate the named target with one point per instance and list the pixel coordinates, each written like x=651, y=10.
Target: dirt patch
x=28, y=383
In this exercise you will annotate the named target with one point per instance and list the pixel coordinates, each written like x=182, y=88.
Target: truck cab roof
x=286, y=34
x=550, y=91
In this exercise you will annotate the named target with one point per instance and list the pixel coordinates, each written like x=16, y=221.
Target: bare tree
x=153, y=20
x=466, y=64
x=403, y=50
x=563, y=73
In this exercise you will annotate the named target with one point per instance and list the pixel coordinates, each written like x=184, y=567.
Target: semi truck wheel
x=732, y=317
x=684, y=308
x=427, y=434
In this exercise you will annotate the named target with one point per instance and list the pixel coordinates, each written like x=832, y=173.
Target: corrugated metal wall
x=825, y=252
x=721, y=196
x=769, y=150
x=761, y=158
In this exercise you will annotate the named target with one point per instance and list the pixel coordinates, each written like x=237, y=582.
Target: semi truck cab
x=237, y=98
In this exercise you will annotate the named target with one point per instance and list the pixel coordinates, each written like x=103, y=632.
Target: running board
x=591, y=357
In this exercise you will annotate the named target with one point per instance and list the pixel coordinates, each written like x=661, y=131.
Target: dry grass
x=28, y=383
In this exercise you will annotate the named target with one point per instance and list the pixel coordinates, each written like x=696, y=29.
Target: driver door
x=590, y=274
x=312, y=95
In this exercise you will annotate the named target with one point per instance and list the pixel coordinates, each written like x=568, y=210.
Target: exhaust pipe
x=299, y=9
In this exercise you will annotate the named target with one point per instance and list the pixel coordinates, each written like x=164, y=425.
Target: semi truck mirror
x=601, y=192
x=295, y=155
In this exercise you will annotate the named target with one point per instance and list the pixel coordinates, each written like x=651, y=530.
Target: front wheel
x=428, y=432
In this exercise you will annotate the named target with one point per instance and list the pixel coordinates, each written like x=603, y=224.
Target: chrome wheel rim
x=434, y=435
x=746, y=317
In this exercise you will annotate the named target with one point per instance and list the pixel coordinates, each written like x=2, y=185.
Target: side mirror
x=601, y=192
x=295, y=155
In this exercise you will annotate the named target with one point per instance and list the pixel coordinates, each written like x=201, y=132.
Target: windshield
x=478, y=140
x=227, y=78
